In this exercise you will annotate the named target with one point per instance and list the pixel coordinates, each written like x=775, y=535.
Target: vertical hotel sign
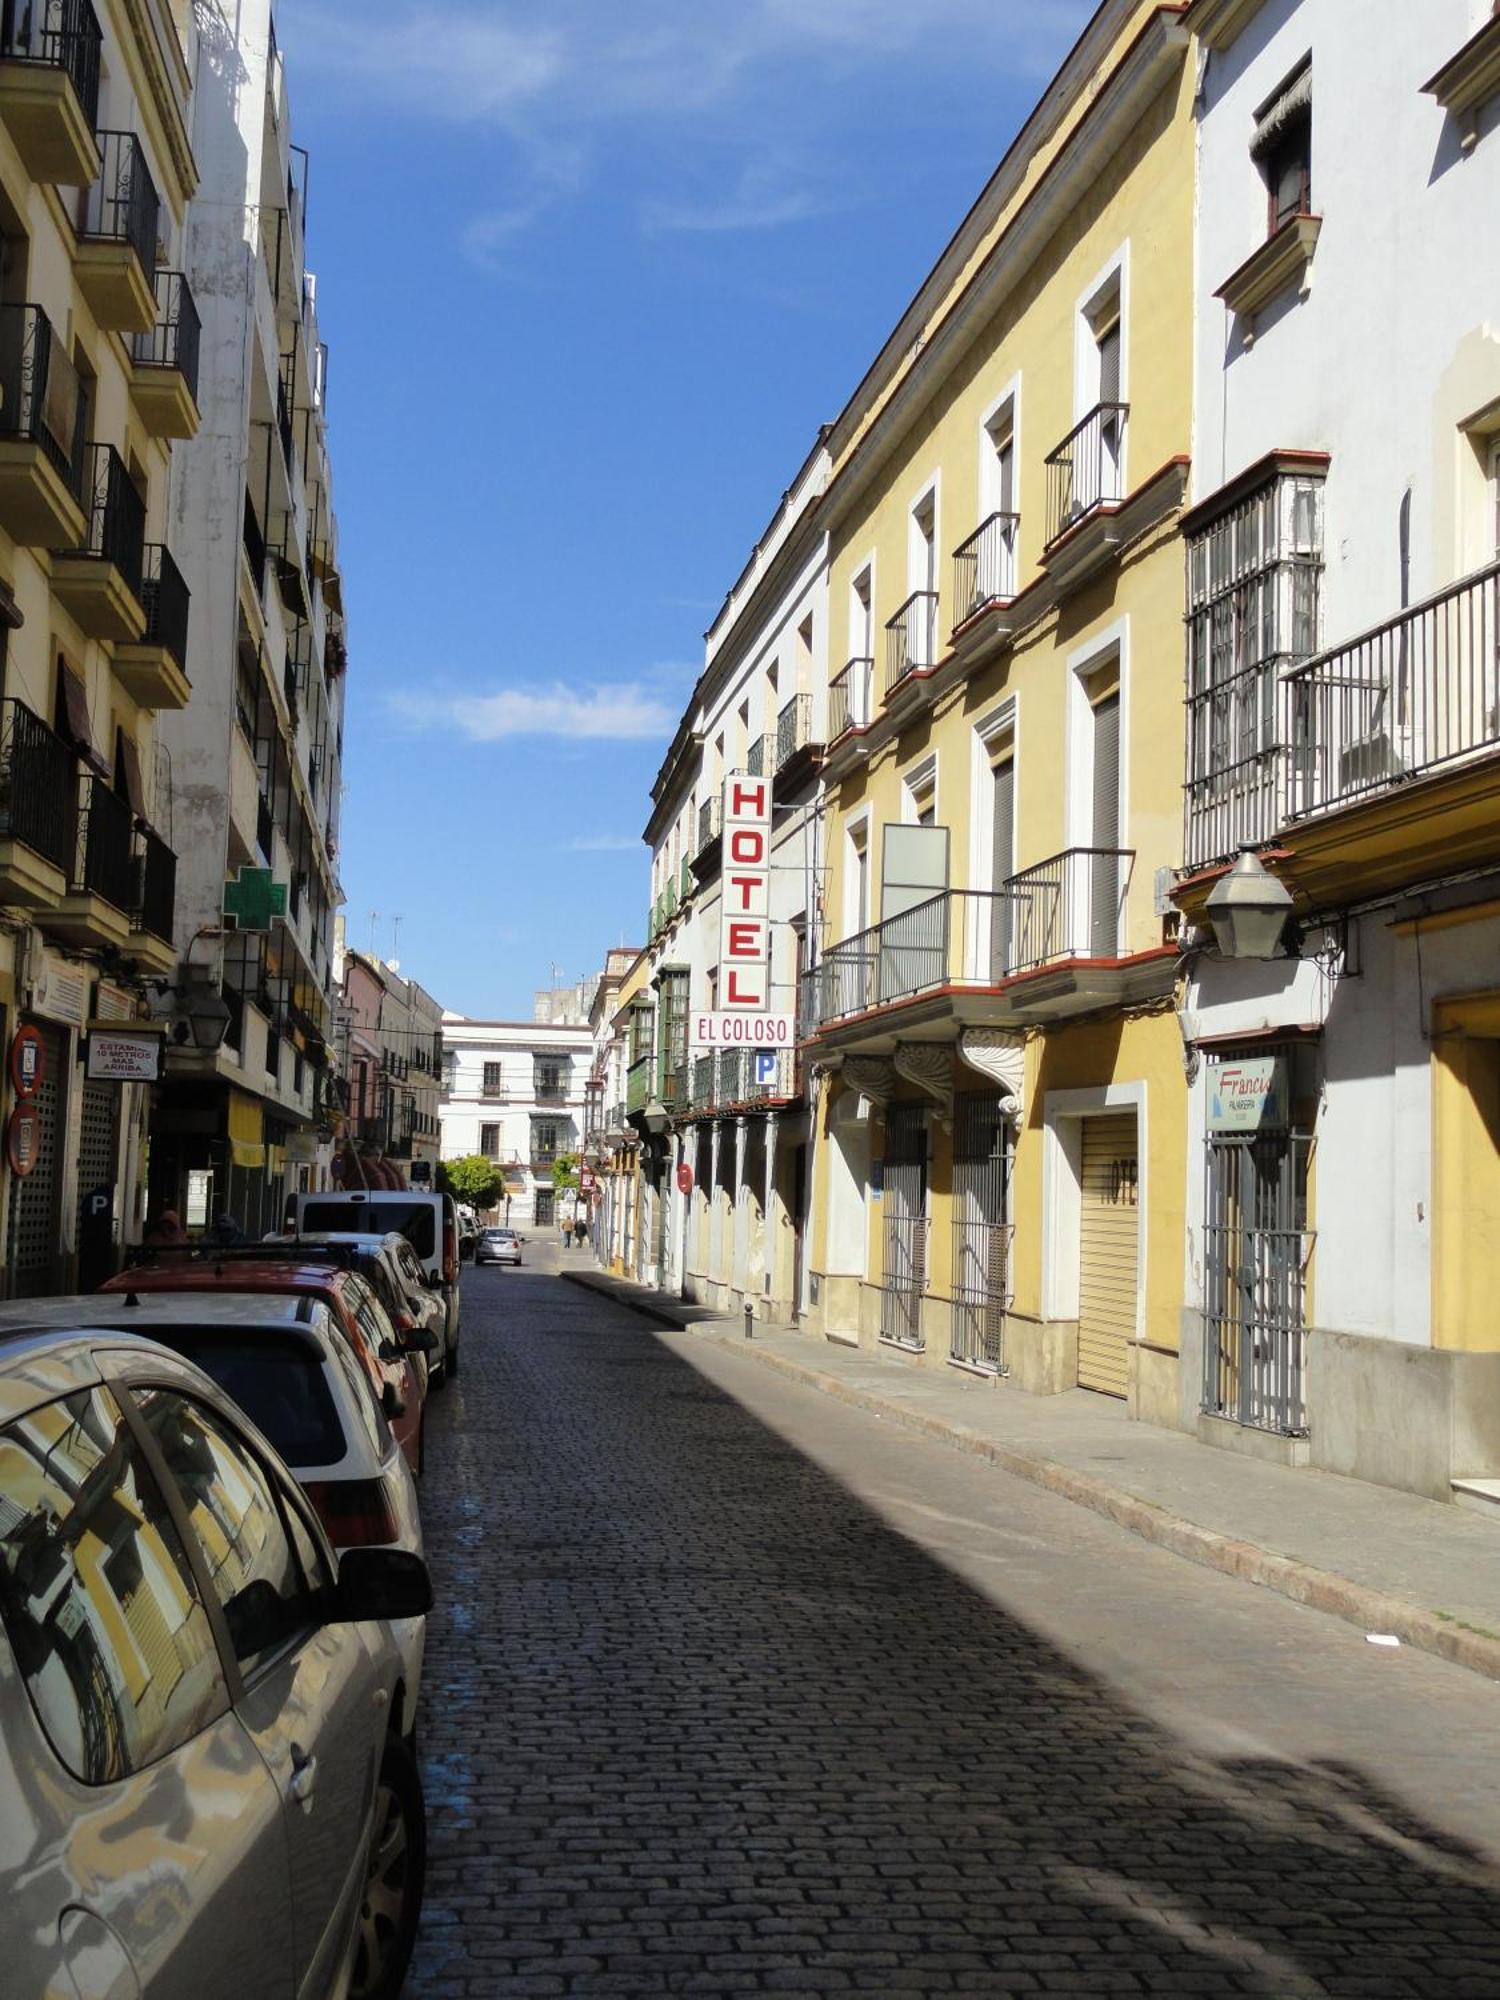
x=744, y=1018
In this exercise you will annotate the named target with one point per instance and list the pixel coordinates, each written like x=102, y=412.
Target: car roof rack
x=298, y=1250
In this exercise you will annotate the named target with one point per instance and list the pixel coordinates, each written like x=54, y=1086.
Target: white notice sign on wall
x=1248, y=1095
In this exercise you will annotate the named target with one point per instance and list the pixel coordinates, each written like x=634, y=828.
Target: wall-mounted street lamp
x=202, y=1015
x=1248, y=909
x=656, y=1118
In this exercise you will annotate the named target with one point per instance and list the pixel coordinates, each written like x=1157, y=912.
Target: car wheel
x=391, y=1903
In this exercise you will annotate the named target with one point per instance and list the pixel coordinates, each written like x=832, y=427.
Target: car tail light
x=356, y=1513
x=450, y=1254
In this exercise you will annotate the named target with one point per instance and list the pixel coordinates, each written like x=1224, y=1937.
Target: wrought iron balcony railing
x=984, y=567
x=710, y=823
x=156, y=883
x=253, y=536
x=116, y=512
x=166, y=601
x=793, y=729
x=911, y=639
x=175, y=339
x=123, y=206
x=37, y=775
x=56, y=34
x=103, y=846
x=1067, y=908
x=851, y=697
x=759, y=758
x=39, y=387
x=1087, y=469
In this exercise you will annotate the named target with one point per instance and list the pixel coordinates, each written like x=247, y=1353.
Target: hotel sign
x=1249, y=1095
x=743, y=1018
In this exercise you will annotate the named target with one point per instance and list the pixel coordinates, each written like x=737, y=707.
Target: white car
x=293, y=1372
x=204, y=1790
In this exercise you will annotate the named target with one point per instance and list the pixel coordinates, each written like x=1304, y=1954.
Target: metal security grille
x=96, y=1142
x=905, y=1277
x=982, y=1231
x=1255, y=1255
x=33, y=1249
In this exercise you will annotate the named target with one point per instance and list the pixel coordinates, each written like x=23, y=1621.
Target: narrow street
x=731, y=1690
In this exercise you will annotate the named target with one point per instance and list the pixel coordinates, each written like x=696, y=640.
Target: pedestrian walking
x=166, y=1232
x=580, y=1230
x=567, y=1236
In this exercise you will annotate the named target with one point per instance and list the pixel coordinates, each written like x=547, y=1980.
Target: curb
x=1323, y=1590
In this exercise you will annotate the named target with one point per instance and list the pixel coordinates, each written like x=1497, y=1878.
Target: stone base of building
x=1152, y=1386
x=1041, y=1355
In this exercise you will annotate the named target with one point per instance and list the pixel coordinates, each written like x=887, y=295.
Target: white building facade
x=1343, y=692
x=515, y=1093
x=733, y=1228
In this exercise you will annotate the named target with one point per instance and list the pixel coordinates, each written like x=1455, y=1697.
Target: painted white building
x=1343, y=678
x=256, y=753
x=760, y=707
x=515, y=1092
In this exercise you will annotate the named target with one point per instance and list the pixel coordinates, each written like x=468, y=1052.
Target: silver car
x=498, y=1246
x=203, y=1790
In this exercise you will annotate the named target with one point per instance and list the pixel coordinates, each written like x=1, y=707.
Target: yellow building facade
x=999, y=1155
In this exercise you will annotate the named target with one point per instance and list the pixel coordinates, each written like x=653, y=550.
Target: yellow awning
x=247, y=1125
x=242, y=1154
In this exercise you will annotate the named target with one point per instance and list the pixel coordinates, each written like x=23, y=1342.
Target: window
x=548, y=1079
x=1099, y=469
x=922, y=580
x=919, y=794
x=857, y=880
x=862, y=616
x=1282, y=148
x=803, y=671
x=489, y=1141
x=278, y=1382
x=491, y=1086
x=996, y=554
x=97, y=1595
x=1495, y=494
x=1254, y=573
x=267, y=1600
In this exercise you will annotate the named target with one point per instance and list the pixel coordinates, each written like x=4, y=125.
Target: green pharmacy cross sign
x=252, y=899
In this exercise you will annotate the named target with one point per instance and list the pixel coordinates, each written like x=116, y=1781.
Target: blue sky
x=592, y=273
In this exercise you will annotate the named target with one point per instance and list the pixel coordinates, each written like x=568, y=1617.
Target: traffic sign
x=684, y=1177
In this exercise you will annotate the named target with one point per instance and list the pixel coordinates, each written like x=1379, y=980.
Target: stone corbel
x=1001, y=1056
x=870, y=1076
x=930, y=1068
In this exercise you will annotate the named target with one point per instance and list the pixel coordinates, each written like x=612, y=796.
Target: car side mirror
x=392, y=1401
x=380, y=1583
x=403, y=1322
x=422, y=1341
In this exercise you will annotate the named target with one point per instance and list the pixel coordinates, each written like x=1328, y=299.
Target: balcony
x=94, y=914
x=911, y=640
x=154, y=905
x=115, y=261
x=984, y=567
x=101, y=582
x=732, y=1079
x=638, y=1081
x=164, y=362
x=851, y=697
x=38, y=772
x=760, y=758
x=796, y=752
x=548, y=1091
x=253, y=542
x=49, y=88
x=39, y=398
x=710, y=835
x=1065, y=913
x=154, y=668
x=1085, y=485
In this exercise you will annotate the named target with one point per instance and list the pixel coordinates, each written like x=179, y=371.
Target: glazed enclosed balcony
x=95, y=913
x=154, y=667
x=115, y=260
x=49, y=87
x=101, y=582
x=164, y=362
x=1085, y=485
x=984, y=567
x=1064, y=916
x=737, y=1080
x=38, y=776
x=911, y=640
x=851, y=697
x=39, y=403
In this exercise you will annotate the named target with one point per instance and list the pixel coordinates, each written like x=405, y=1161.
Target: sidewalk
x=1385, y=1561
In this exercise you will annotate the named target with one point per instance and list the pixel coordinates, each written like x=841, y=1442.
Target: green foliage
x=473, y=1179
x=565, y=1171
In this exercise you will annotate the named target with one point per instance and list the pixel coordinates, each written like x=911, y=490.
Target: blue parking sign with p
x=765, y=1066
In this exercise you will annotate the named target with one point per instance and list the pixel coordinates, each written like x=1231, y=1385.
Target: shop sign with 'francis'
x=1248, y=1095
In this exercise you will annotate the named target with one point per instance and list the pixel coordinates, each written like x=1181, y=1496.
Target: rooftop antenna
x=374, y=920
x=396, y=937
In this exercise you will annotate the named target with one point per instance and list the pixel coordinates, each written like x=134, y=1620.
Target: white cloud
x=763, y=198
x=622, y=714
x=606, y=843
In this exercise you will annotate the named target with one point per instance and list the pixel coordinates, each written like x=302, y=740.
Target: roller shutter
x=1107, y=1281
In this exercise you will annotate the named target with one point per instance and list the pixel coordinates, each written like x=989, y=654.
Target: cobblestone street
x=731, y=1690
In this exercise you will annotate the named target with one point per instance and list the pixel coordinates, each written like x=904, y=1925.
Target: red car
x=386, y=1356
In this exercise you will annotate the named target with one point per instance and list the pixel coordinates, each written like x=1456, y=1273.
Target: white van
x=429, y=1222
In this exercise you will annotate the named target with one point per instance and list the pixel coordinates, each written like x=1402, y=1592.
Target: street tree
x=473, y=1179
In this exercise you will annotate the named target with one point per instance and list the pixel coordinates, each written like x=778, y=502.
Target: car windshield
x=278, y=1383
x=412, y=1220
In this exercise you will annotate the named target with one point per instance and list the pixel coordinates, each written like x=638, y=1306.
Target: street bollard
x=749, y=1321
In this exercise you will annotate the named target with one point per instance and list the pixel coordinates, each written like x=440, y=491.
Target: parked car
x=386, y=1356
x=429, y=1222
x=289, y=1365
x=498, y=1246
x=390, y=1264
x=206, y=1788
